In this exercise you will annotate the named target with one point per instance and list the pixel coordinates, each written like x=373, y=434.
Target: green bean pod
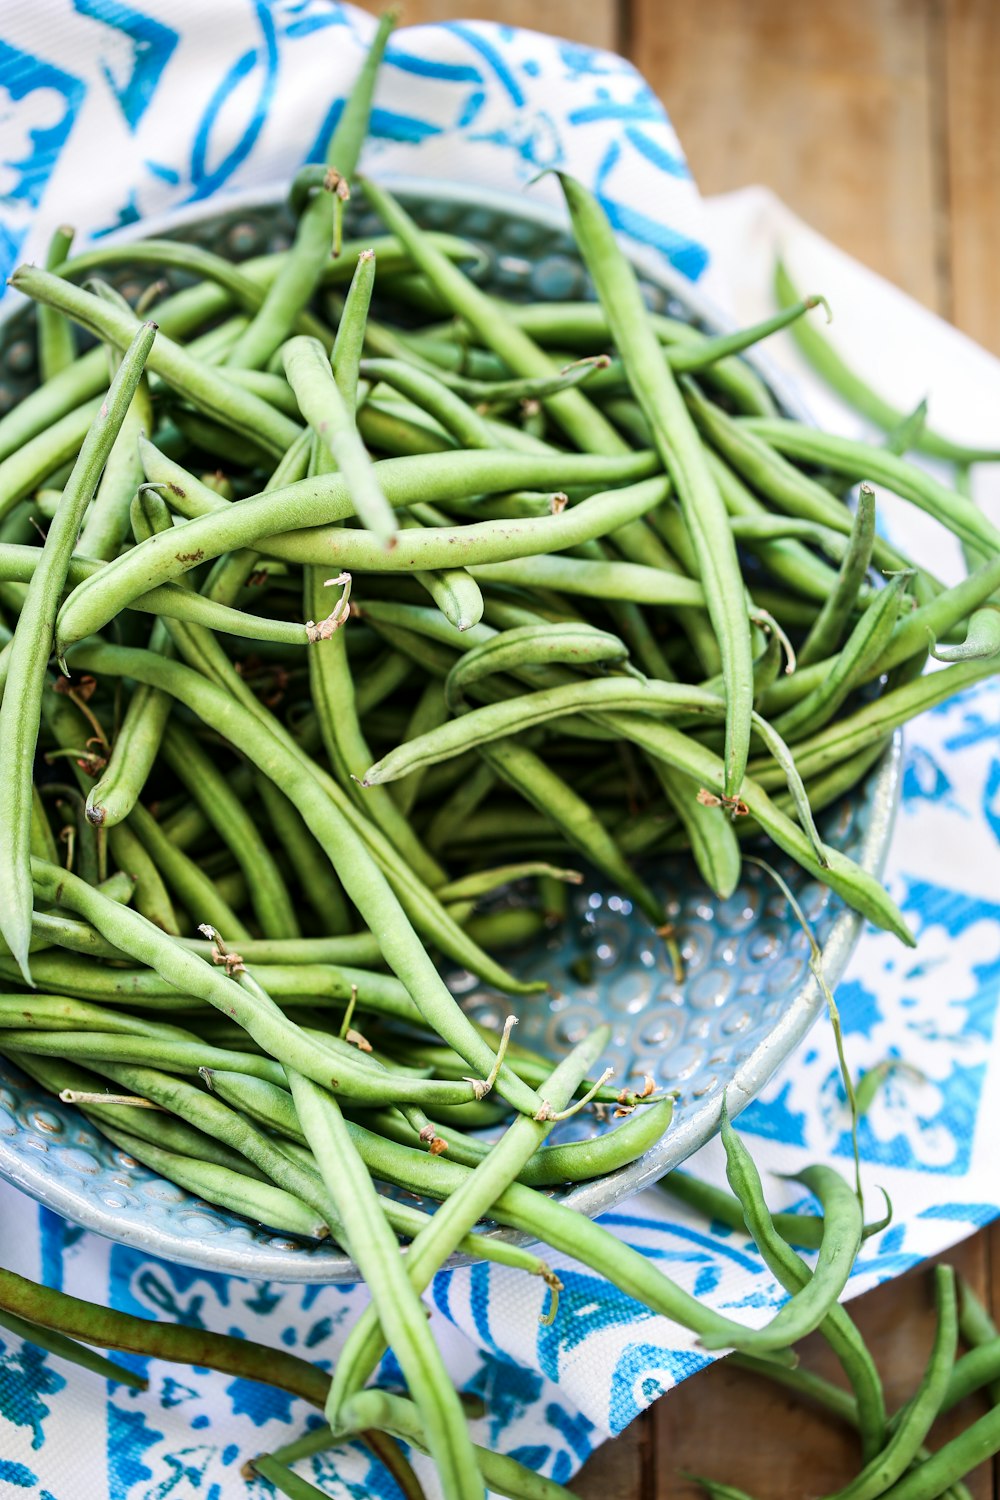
x=982, y=641
x=881, y=1472
x=829, y=627
x=618, y=291
x=20, y=710
x=366, y=1344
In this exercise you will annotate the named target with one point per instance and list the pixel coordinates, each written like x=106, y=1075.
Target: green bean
x=18, y=563
x=521, y=1208
x=483, y=725
x=105, y=525
x=676, y=440
x=195, y=890
x=709, y=830
x=535, y=780
x=932, y=1477
x=578, y=417
x=862, y=649
x=134, y=750
x=439, y=399
x=881, y=1472
x=328, y=415
x=62, y=1013
x=977, y=1329
x=453, y=813
x=234, y=1191
x=795, y=1277
x=830, y=625
x=397, y=1304
x=171, y=1055
x=715, y=1490
x=269, y=895
x=982, y=641
x=22, y=700
x=276, y=1035
x=576, y=1161
x=325, y=804
x=501, y=1474
x=759, y=460
x=293, y=983
x=362, y=878
x=841, y=1239
x=78, y=1354
x=176, y=1343
x=316, y=879
x=312, y=504
x=246, y=284
x=617, y=581
x=529, y=646
x=788, y=561
x=875, y=720
x=913, y=634
x=805, y=1230
x=855, y=460
x=284, y=1481
x=56, y=349
x=365, y=1343
x=823, y=357
x=210, y=392
x=301, y=270
x=150, y=895
x=344, y=741
x=428, y=712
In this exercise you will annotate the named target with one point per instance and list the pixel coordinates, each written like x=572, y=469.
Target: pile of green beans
x=358, y=596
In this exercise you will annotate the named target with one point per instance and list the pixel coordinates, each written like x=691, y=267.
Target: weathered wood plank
x=738, y=1428
x=595, y=24
x=970, y=65
x=829, y=105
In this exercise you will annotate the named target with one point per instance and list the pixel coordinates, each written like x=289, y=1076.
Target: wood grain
x=970, y=65
x=829, y=105
x=741, y=1430
x=592, y=22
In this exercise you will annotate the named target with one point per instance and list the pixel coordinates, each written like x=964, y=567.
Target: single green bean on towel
x=824, y=358
x=21, y=708
x=841, y=1239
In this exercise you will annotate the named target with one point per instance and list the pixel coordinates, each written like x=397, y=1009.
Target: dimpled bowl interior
x=747, y=998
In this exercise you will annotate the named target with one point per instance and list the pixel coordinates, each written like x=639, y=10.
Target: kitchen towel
x=110, y=113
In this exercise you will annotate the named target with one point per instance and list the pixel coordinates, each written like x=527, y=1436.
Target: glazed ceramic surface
x=747, y=997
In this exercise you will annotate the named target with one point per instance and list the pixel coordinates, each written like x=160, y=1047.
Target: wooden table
x=878, y=121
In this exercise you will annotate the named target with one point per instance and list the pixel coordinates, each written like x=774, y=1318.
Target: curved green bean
x=676, y=440
x=20, y=710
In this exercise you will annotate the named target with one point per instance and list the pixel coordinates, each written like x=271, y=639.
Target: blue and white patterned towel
x=111, y=111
